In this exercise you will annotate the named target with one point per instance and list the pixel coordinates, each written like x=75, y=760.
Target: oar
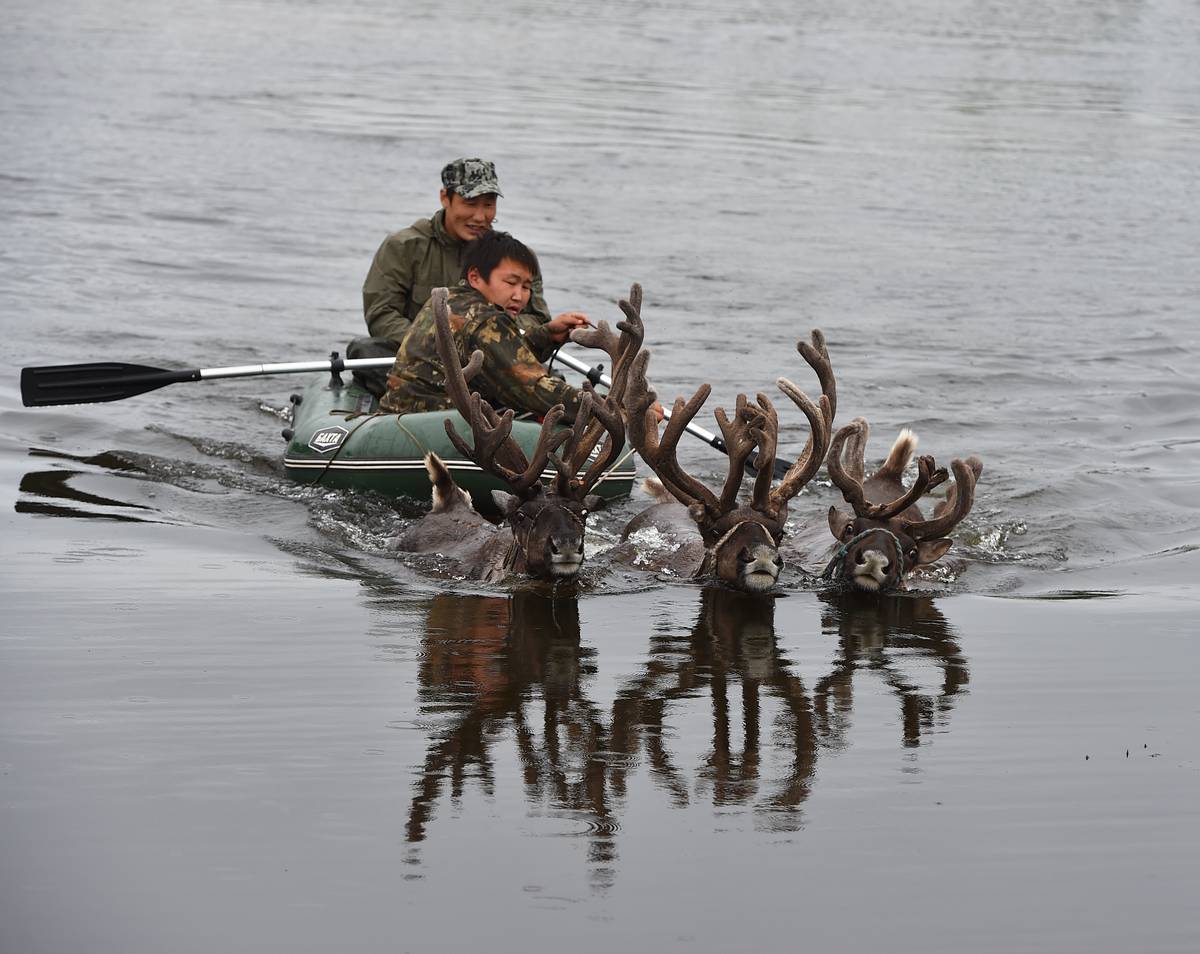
x=114, y=381
x=712, y=440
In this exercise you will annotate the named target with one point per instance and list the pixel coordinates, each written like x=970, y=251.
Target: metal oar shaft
x=293, y=367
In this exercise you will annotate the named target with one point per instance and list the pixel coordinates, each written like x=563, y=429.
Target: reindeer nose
x=572, y=545
x=880, y=560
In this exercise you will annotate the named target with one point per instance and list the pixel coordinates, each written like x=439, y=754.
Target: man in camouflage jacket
x=429, y=253
x=486, y=314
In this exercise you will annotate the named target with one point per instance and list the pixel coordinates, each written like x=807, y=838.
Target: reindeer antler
x=494, y=450
x=620, y=348
x=659, y=452
x=638, y=400
x=752, y=426
x=959, y=502
x=820, y=419
x=582, y=441
x=847, y=476
x=601, y=414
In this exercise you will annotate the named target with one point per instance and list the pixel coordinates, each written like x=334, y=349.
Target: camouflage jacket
x=409, y=265
x=512, y=375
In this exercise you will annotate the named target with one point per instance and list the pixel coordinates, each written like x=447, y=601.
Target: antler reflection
x=503, y=669
x=889, y=638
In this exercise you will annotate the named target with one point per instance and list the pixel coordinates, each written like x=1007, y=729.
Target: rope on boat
x=347, y=415
x=412, y=437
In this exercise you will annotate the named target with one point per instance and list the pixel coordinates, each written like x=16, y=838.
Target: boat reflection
x=717, y=714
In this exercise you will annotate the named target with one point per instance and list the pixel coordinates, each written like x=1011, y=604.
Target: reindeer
x=887, y=537
x=710, y=535
x=542, y=531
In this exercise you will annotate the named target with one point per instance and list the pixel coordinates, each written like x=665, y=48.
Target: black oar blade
x=781, y=468
x=93, y=383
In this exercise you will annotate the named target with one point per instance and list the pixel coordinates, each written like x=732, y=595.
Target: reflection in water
x=51, y=487
x=891, y=637
x=484, y=657
x=730, y=654
x=510, y=677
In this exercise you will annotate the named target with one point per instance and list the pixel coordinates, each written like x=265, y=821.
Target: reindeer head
x=547, y=532
x=547, y=525
x=886, y=538
x=741, y=540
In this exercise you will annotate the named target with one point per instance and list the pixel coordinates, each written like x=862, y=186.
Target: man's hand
x=561, y=326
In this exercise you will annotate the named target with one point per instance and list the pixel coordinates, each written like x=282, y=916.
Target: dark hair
x=487, y=251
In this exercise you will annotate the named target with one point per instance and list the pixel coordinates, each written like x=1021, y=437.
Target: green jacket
x=409, y=265
x=513, y=350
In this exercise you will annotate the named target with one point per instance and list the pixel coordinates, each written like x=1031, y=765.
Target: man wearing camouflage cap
x=428, y=255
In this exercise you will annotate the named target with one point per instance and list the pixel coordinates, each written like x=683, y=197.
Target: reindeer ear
x=696, y=511
x=929, y=551
x=840, y=524
x=505, y=501
x=593, y=502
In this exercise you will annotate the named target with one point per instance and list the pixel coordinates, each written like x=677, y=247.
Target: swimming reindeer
x=887, y=537
x=709, y=534
x=542, y=531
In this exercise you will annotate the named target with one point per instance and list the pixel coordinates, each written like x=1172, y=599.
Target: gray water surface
x=231, y=719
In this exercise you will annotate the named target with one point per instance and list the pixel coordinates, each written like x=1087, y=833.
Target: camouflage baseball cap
x=470, y=177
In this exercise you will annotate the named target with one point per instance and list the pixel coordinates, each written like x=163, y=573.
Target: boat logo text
x=327, y=439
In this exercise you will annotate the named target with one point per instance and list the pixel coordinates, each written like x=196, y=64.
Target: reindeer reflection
x=491, y=663
x=889, y=637
x=731, y=649
x=489, y=660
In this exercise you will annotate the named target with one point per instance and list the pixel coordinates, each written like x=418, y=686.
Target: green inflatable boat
x=340, y=438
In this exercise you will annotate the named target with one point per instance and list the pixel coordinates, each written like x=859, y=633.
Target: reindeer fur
x=446, y=493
